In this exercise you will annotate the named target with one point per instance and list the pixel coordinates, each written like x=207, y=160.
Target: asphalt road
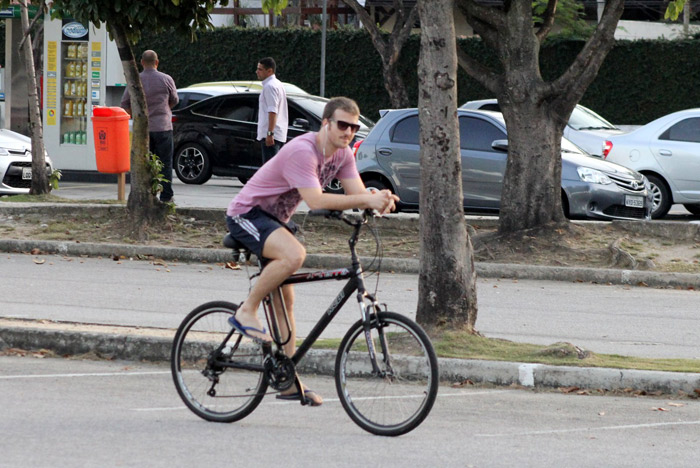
x=603, y=318
x=68, y=413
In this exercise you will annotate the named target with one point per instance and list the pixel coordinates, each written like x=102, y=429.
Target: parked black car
x=217, y=136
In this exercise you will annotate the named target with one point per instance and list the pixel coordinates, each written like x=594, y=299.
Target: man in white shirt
x=272, y=110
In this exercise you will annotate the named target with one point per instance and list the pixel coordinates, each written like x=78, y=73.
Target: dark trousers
x=269, y=151
x=161, y=144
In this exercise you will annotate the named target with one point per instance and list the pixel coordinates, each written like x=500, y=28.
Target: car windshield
x=567, y=146
x=316, y=106
x=585, y=119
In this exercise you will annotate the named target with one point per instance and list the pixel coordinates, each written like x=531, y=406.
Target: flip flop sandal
x=296, y=396
x=244, y=330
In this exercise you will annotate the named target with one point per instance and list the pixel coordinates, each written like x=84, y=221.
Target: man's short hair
x=343, y=103
x=149, y=57
x=269, y=63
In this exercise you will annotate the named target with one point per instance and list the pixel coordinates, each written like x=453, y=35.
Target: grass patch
x=463, y=345
x=50, y=198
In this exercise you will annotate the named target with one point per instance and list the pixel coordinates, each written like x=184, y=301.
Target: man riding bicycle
x=259, y=216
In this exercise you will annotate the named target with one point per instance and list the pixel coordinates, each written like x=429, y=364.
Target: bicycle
x=386, y=371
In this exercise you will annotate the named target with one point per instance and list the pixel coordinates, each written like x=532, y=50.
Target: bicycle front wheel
x=395, y=394
x=219, y=379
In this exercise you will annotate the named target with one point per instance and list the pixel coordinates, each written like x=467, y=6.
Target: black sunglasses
x=342, y=125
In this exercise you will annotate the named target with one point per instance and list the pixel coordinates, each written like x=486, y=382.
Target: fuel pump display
x=74, y=95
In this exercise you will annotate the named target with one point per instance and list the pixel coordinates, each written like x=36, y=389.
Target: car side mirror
x=301, y=123
x=500, y=145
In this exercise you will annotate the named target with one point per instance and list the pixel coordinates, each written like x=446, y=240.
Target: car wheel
x=695, y=209
x=334, y=186
x=565, y=205
x=661, y=197
x=192, y=164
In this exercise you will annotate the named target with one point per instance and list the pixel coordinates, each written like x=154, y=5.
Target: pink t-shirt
x=299, y=164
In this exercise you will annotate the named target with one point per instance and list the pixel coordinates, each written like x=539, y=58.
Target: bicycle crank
x=279, y=371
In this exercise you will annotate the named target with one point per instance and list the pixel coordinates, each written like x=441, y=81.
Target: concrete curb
x=398, y=265
x=157, y=348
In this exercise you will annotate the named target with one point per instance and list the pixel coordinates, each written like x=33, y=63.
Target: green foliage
x=275, y=5
x=136, y=16
x=638, y=82
x=54, y=177
x=155, y=169
x=674, y=9
x=568, y=19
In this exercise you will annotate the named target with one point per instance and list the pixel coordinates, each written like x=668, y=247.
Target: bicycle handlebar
x=337, y=214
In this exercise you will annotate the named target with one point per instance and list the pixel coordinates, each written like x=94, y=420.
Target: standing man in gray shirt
x=161, y=97
x=272, y=110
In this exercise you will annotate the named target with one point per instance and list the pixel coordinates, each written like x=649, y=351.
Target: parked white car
x=16, y=163
x=585, y=128
x=667, y=152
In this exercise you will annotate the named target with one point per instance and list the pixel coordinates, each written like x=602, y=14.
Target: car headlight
x=593, y=176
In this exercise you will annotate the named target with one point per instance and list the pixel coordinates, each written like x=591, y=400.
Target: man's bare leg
x=286, y=256
x=290, y=346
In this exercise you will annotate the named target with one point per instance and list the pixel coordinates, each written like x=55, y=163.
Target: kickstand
x=302, y=395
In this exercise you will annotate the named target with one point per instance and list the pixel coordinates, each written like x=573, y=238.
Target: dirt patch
x=599, y=245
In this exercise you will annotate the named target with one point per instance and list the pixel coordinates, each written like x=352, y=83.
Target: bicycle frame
x=355, y=278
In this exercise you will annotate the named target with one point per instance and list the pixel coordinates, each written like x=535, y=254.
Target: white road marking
x=95, y=374
x=591, y=429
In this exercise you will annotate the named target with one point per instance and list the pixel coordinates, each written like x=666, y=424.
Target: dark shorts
x=253, y=228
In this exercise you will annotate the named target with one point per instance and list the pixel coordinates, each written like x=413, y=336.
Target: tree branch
x=41, y=8
x=485, y=21
x=587, y=64
x=485, y=76
x=547, y=20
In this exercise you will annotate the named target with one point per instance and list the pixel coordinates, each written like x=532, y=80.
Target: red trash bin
x=110, y=127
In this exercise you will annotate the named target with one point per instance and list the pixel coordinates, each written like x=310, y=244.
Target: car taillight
x=173, y=119
x=607, y=146
x=356, y=147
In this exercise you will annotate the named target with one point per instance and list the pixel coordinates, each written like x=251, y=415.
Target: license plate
x=634, y=202
x=26, y=173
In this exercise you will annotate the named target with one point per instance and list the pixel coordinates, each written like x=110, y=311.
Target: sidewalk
x=153, y=344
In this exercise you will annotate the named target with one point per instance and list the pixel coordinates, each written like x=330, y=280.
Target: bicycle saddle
x=231, y=243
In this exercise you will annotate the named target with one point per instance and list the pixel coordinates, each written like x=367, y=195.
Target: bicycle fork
x=366, y=312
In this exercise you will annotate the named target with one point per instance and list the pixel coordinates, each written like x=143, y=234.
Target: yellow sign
x=51, y=82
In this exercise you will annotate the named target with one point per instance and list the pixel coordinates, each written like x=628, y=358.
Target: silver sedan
x=667, y=152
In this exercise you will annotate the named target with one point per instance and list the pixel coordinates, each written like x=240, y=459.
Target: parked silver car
x=591, y=187
x=585, y=128
x=16, y=163
x=667, y=151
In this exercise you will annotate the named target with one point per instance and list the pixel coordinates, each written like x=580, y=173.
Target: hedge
x=638, y=82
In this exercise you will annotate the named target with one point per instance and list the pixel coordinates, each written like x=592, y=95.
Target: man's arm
x=126, y=101
x=383, y=201
x=272, y=122
x=173, y=98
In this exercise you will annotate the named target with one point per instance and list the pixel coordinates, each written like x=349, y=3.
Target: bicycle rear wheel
x=200, y=363
x=395, y=398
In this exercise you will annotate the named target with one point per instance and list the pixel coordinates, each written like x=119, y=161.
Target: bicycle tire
x=398, y=399
x=238, y=392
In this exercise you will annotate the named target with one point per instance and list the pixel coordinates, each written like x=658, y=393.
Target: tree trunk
x=142, y=205
x=40, y=180
x=447, y=279
x=535, y=111
x=532, y=185
x=389, y=47
x=395, y=86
